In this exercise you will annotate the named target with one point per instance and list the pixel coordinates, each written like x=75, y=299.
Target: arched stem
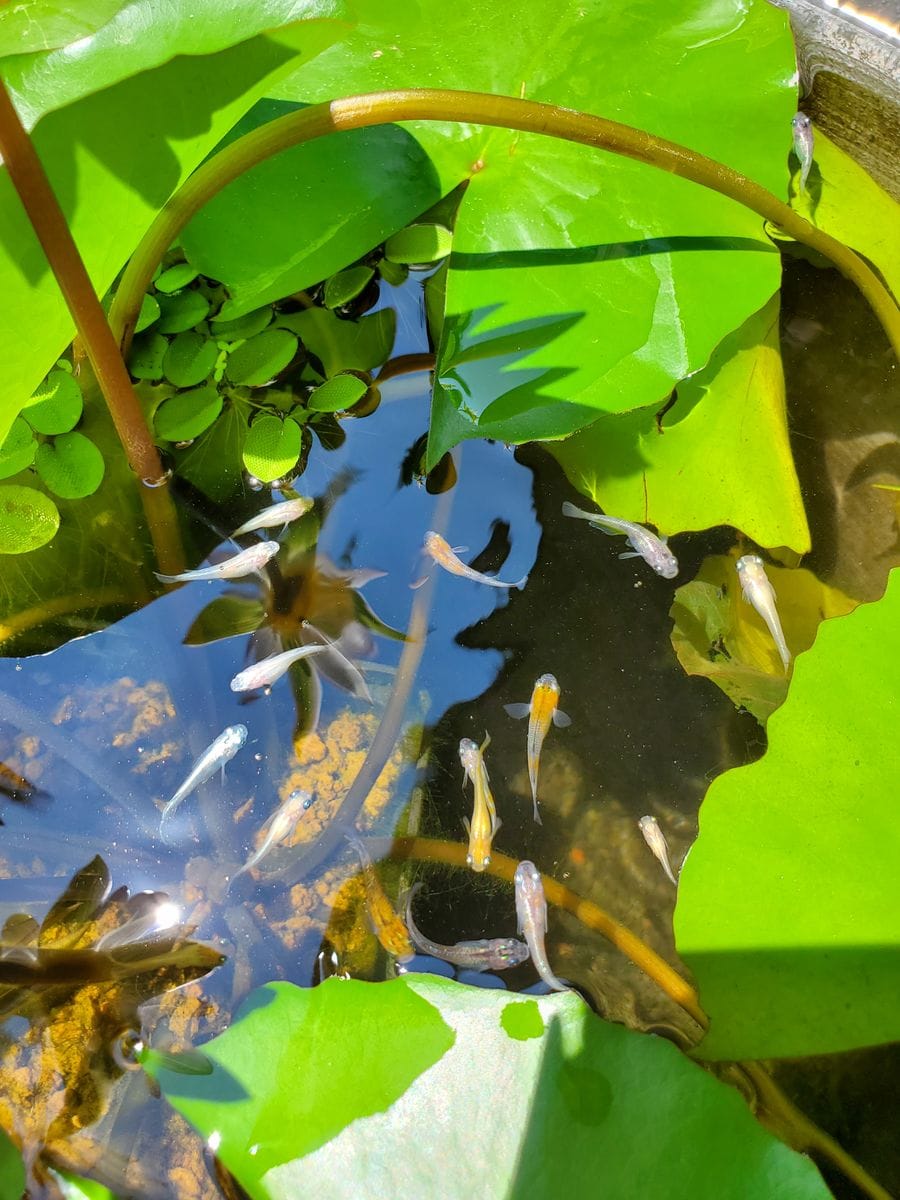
x=437, y=104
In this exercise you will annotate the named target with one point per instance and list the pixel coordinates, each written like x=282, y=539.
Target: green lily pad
x=173, y=279
x=189, y=359
x=340, y=289
x=719, y=635
x=187, y=415
x=182, y=311
x=247, y=326
x=259, y=359
x=28, y=519
x=720, y=455
x=148, y=315
x=148, y=353
x=419, y=244
x=788, y=901
x=344, y=345
x=71, y=466
x=45, y=24
x=579, y=1096
x=19, y=449
x=337, y=394
x=272, y=447
x=12, y=1170
x=56, y=406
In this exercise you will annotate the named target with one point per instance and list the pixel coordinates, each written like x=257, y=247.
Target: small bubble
x=184, y=445
x=158, y=483
x=18, y=666
x=257, y=758
x=127, y=1050
x=254, y=484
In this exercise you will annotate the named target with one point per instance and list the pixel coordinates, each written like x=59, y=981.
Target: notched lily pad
x=344, y=345
x=272, y=447
x=56, y=406
x=719, y=635
x=184, y=417
x=71, y=466
x=259, y=359
x=28, y=519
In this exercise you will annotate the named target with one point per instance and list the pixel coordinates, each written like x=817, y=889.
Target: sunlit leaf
x=31, y=25
x=56, y=405
x=720, y=455
x=148, y=314
x=272, y=447
x=71, y=466
x=19, y=449
x=259, y=359
x=579, y=1095
x=187, y=415
x=419, y=244
x=340, y=289
x=28, y=519
x=75, y=1187
x=719, y=635
x=189, y=359
x=337, y=394
x=787, y=903
x=342, y=345
x=182, y=311
x=12, y=1170
x=225, y=617
x=175, y=278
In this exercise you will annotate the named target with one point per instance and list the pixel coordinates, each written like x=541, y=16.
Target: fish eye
x=486, y=860
x=469, y=860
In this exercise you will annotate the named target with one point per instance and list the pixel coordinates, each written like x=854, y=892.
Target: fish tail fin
x=520, y=583
x=572, y=510
x=168, y=578
x=537, y=815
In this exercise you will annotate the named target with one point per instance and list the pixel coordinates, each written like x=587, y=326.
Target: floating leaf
x=148, y=352
x=340, y=289
x=719, y=635
x=272, y=447
x=214, y=462
x=45, y=24
x=71, y=466
x=28, y=519
x=258, y=360
x=19, y=449
x=720, y=455
x=182, y=311
x=187, y=415
x=56, y=406
x=225, y=617
x=337, y=394
x=393, y=273
x=419, y=244
x=189, y=359
x=12, y=1170
x=787, y=904
x=247, y=326
x=344, y=345
x=148, y=314
x=579, y=1096
x=175, y=278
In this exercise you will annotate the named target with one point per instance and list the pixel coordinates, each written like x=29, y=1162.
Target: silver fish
x=213, y=758
x=277, y=514
x=801, y=127
x=279, y=826
x=646, y=545
x=484, y=954
x=758, y=591
x=264, y=673
x=444, y=555
x=245, y=563
x=542, y=711
x=531, y=911
x=656, y=840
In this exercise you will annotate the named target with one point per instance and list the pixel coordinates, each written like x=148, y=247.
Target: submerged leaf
x=579, y=1095
x=71, y=466
x=173, y=279
x=787, y=903
x=28, y=519
x=214, y=464
x=225, y=617
x=181, y=312
x=272, y=447
x=719, y=635
x=344, y=345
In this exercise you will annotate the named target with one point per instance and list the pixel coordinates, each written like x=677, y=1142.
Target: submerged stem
x=439, y=104
x=49, y=224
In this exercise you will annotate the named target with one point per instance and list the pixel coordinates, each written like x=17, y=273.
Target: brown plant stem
x=50, y=226
x=438, y=104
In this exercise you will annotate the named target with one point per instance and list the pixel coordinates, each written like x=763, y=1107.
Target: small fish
x=267, y=670
x=531, y=911
x=277, y=514
x=484, y=824
x=543, y=711
x=485, y=954
x=279, y=826
x=445, y=557
x=245, y=563
x=801, y=127
x=214, y=757
x=656, y=840
x=758, y=591
x=388, y=926
x=646, y=545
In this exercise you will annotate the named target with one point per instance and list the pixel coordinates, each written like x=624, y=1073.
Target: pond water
x=107, y=726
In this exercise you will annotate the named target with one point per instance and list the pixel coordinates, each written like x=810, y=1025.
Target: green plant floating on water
x=787, y=902
x=331, y=1083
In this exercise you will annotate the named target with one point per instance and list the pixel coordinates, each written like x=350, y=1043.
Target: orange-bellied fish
x=388, y=926
x=277, y=514
x=656, y=840
x=543, y=712
x=254, y=558
x=443, y=554
x=646, y=545
x=484, y=824
x=758, y=591
x=279, y=826
x=484, y=954
x=214, y=757
x=531, y=910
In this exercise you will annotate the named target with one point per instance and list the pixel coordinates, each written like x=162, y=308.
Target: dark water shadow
x=603, y=252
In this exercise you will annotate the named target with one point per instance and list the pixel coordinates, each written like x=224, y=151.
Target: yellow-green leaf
x=272, y=447
x=28, y=519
